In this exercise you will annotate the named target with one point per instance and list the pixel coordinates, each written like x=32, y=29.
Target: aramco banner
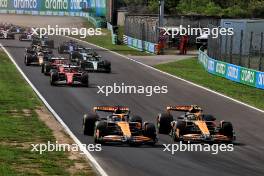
x=54, y=7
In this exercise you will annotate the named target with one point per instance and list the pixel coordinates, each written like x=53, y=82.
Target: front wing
x=217, y=138
x=131, y=140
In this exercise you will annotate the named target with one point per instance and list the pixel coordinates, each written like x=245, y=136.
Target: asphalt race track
x=72, y=102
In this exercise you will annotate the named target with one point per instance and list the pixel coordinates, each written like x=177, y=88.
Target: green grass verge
x=105, y=41
x=191, y=70
x=19, y=129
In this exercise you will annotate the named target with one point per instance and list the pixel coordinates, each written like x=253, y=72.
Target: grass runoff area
x=20, y=127
x=191, y=70
x=105, y=41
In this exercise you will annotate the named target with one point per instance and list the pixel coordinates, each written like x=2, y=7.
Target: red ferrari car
x=53, y=63
x=69, y=75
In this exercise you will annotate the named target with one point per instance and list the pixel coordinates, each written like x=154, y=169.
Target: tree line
x=222, y=8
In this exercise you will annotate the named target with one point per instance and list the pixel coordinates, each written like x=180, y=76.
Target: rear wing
x=190, y=108
x=58, y=58
x=112, y=109
x=70, y=66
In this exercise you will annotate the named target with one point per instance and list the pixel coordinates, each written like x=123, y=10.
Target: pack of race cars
x=68, y=70
x=71, y=70
x=119, y=126
x=8, y=31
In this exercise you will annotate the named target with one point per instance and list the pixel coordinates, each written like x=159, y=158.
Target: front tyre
x=54, y=78
x=100, y=131
x=164, y=123
x=89, y=124
x=227, y=130
x=26, y=61
x=150, y=131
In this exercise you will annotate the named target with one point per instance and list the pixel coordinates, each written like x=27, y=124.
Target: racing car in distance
x=96, y=64
x=81, y=53
x=90, y=61
x=118, y=127
x=11, y=28
x=43, y=42
x=6, y=34
x=16, y=29
x=26, y=36
x=67, y=47
x=194, y=126
x=53, y=63
x=69, y=75
x=37, y=55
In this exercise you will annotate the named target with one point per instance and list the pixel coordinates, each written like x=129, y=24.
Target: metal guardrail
x=245, y=49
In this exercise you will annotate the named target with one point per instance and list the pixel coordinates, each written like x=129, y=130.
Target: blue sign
x=151, y=48
x=140, y=45
x=260, y=80
x=233, y=72
x=129, y=41
x=211, y=66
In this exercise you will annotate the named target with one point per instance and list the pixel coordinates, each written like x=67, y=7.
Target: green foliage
x=153, y=6
x=21, y=127
x=212, y=9
x=256, y=8
x=227, y=8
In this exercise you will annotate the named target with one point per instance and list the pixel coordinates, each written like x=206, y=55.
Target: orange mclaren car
x=118, y=127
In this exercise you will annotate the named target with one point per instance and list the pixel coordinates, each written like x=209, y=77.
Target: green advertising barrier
x=220, y=69
x=248, y=76
x=232, y=72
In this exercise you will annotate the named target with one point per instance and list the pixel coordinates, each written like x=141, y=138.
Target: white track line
x=168, y=74
x=94, y=163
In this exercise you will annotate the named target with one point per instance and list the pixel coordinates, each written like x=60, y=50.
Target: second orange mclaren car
x=194, y=126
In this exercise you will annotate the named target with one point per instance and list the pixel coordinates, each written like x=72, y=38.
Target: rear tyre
x=107, y=66
x=42, y=68
x=85, y=80
x=50, y=44
x=46, y=69
x=164, y=123
x=108, y=70
x=89, y=123
x=137, y=119
x=59, y=50
x=208, y=117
